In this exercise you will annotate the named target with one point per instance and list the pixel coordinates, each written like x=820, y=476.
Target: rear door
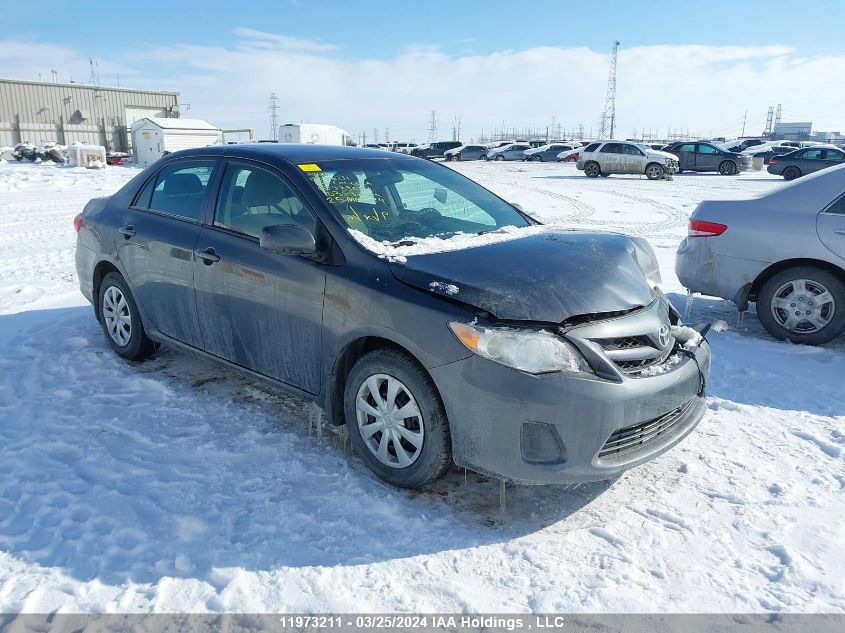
x=685, y=154
x=610, y=158
x=833, y=157
x=831, y=227
x=259, y=310
x=156, y=244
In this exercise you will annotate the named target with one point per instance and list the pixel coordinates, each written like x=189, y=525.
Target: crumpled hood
x=661, y=153
x=549, y=277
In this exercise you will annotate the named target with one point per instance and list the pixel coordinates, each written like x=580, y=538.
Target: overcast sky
x=386, y=65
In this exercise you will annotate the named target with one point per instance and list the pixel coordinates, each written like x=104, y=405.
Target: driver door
x=260, y=310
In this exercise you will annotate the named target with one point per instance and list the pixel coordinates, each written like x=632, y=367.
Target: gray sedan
x=805, y=161
x=514, y=151
x=466, y=152
x=785, y=251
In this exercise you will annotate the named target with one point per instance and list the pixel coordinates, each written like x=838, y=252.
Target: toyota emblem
x=663, y=335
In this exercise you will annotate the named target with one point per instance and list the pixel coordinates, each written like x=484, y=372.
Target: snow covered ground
x=171, y=485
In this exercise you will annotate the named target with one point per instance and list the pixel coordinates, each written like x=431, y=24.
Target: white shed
x=153, y=136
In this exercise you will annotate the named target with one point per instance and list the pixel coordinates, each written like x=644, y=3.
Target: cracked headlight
x=532, y=351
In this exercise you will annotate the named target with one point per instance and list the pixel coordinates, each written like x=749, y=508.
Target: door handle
x=208, y=256
x=127, y=231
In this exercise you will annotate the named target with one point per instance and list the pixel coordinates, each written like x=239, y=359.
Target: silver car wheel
x=389, y=421
x=803, y=306
x=117, y=316
x=653, y=172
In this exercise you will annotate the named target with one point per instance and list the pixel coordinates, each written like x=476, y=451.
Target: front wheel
x=654, y=171
x=395, y=419
x=592, y=170
x=121, y=321
x=500, y=157
x=804, y=304
x=727, y=168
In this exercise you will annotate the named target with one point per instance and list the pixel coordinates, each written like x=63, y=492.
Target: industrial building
x=41, y=112
x=803, y=131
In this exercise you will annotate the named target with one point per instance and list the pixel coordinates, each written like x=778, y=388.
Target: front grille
x=633, y=438
x=632, y=354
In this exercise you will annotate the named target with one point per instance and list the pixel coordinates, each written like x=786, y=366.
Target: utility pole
x=744, y=117
x=274, y=116
x=375, y=135
x=387, y=135
x=432, y=127
x=608, y=117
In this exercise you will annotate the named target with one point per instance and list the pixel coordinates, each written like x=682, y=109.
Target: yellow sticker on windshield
x=310, y=167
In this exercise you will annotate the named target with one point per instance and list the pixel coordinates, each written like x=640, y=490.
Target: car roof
x=295, y=153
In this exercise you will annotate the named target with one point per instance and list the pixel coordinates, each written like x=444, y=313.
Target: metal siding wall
x=23, y=102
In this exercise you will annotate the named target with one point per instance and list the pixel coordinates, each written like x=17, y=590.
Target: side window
x=592, y=147
x=834, y=155
x=142, y=200
x=812, y=154
x=180, y=189
x=633, y=150
x=707, y=149
x=689, y=147
x=837, y=207
x=252, y=198
x=611, y=148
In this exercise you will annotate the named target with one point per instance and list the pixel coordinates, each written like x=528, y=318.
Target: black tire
x=653, y=171
x=728, y=168
x=499, y=157
x=592, y=169
x=538, y=159
x=678, y=170
x=138, y=345
x=435, y=456
x=448, y=157
x=791, y=173
x=604, y=175
x=824, y=279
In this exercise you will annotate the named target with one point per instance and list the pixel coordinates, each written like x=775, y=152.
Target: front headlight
x=532, y=351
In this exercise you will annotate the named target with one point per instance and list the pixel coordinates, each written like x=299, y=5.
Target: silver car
x=548, y=152
x=466, y=152
x=514, y=151
x=785, y=251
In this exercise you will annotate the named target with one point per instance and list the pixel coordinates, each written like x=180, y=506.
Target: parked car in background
x=570, y=156
x=399, y=147
x=496, y=144
x=537, y=143
x=548, y=152
x=740, y=145
x=767, y=151
x=621, y=157
x=501, y=356
x=466, y=152
x=785, y=251
x=512, y=151
x=434, y=150
x=707, y=156
x=805, y=161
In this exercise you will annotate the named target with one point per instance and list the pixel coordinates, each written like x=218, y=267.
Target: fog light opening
x=540, y=444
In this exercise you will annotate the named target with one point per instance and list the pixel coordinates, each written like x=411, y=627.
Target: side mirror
x=288, y=239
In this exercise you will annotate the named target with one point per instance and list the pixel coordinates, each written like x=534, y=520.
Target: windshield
x=394, y=200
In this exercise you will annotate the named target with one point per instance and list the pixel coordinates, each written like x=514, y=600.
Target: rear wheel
x=803, y=305
x=653, y=171
x=538, y=159
x=727, y=168
x=121, y=321
x=395, y=419
x=592, y=170
x=791, y=173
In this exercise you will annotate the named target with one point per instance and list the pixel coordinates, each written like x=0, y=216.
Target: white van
x=314, y=134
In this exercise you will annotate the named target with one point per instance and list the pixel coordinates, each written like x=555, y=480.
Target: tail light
x=77, y=222
x=700, y=228
x=773, y=160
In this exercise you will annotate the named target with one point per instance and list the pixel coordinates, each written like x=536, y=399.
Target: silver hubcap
x=389, y=421
x=803, y=306
x=653, y=171
x=116, y=315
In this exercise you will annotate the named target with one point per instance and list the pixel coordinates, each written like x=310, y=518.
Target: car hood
x=658, y=152
x=549, y=277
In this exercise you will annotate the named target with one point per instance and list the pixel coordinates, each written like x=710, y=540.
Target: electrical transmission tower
x=767, y=131
x=608, y=117
x=777, y=116
x=94, y=77
x=274, y=116
x=432, y=127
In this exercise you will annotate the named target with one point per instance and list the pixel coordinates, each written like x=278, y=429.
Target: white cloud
x=705, y=89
